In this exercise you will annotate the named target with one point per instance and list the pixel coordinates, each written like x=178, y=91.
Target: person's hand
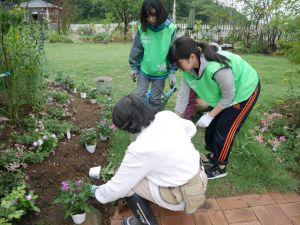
x=93, y=190
x=133, y=75
x=172, y=80
x=204, y=121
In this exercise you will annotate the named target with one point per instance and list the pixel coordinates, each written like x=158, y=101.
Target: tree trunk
x=174, y=11
x=126, y=24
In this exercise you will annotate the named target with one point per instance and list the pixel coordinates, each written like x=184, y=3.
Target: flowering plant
x=17, y=203
x=105, y=127
x=73, y=197
x=88, y=137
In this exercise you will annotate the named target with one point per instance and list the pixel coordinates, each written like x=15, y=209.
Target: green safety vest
x=245, y=80
x=156, y=48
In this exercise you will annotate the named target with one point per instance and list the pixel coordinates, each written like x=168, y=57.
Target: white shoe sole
x=216, y=177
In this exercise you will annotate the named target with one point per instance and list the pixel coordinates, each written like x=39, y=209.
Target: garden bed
x=69, y=161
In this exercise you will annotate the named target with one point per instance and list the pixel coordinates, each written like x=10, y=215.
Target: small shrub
x=57, y=38
x=56, y=126
x=56, y=113
x=87, y=30
x=60, y=97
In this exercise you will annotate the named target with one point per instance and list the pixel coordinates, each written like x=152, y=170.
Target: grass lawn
x=252, y=168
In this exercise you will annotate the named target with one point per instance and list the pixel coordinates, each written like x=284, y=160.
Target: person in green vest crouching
x=149, y=53
x=227, y=83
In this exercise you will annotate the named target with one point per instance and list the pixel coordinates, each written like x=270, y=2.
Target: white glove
x=133, y=75
x=172, y=80
x=204, y=121
x=93, y=190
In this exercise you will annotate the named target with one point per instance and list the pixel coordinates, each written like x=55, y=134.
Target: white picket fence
x=206, y=32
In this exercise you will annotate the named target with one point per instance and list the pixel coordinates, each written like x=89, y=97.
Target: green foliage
x=108, y=172
x=105, y=127
x=17, y=204
x=56, y=113
x=21, y=53
x=56, y=126
x=73, y=197
x=59, y=38
x=83, y=88
x=9, y=179
x=60, y=97
x=65, y=80
x=278, y=134
x=88, y=137
x=89, y=30
x=93, y=94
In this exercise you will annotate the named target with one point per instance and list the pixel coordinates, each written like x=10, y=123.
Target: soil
x=69, y=161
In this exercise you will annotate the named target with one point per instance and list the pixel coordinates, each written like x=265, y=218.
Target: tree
x=123, y=11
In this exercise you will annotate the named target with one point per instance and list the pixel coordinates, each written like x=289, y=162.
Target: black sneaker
x=215, y=172
x=131, y=221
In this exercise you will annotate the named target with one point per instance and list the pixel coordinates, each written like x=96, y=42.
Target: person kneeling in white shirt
x=161, y=165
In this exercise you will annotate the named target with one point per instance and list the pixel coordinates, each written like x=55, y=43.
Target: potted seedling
x=73, y=197
x=104, y=129
x=83, y=90
x=93, y=96
x=89, y=139
x=71, y=84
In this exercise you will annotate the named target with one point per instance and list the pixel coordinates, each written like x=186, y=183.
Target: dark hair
x=183, y=47
x=132, y=114
x=160, y=10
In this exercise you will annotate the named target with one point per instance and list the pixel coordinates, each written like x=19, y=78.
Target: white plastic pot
x=79, y=218
x=94, y=172
x=83, y=95
x=90, y=148
x=68, y=134
x=103, y=138
x=93, y=101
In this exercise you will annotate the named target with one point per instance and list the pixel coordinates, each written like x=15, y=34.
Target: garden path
x=252, y=209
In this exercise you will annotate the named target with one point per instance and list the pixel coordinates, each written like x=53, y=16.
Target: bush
x=57, y=38
x=21, y=45
x=60, y=97
x=89, y=30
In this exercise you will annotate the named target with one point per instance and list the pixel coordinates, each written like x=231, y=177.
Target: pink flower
x=282, y=139
x=35, y=144
x=113, y=127
x=264, y=123
x=64, y=186
x=13, y=166
x=28, y=197
x=24, y=165
x=259, y=139
x=53, y=136
x=45, y=138
x=78, y=182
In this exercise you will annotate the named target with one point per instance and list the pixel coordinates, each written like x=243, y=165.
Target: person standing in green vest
x=227, y=83
x=149, y=53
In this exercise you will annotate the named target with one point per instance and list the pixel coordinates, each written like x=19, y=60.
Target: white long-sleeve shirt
x=163, y=153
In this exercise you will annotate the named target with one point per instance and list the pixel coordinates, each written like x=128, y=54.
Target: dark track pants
x=220, y=134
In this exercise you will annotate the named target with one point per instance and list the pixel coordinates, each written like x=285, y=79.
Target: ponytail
x=210, y=53
x=183, y=47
